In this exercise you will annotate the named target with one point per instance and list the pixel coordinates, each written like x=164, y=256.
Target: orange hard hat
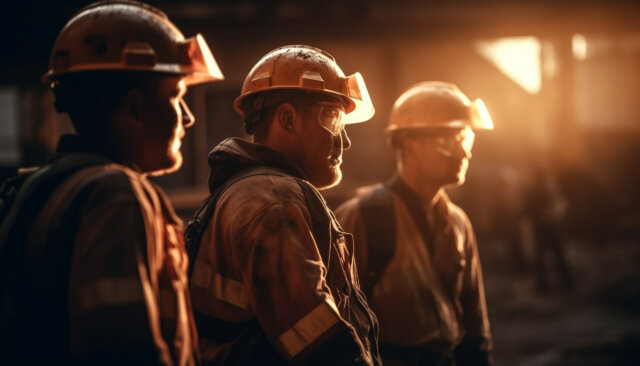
x=437, y=104
x=306, y=68
x=129, y=36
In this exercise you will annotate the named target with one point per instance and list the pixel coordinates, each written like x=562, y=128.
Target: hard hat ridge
x=127, y=35
x=305, y=69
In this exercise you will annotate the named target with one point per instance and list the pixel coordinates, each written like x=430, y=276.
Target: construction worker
x=274, y=278
x=547, y=207
x=416, y=250
x=94, y=269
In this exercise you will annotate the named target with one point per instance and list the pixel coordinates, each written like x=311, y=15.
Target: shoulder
x=458, y=214
x=456, y=211
x=263, y=190
x=250, y=196
x=110, y=185
x=110, y=178
x=351, y=209
x=348, y=208
x=460, y=219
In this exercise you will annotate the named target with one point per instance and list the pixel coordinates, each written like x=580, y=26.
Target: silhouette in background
x=510, y=217
x=547, y=208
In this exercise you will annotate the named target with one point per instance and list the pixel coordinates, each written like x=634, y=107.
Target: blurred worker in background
x=509, y=218
x=416, y=250
x=547, y=208
x=93, y=259
x=274, y=278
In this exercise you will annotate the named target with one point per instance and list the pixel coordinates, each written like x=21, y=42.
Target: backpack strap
x=378, y=216
x=416, y=209
x=321, y=220
x=198, y=223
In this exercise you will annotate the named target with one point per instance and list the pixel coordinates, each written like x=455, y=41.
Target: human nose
x=187, y=117
x=346, y=142
x=462, y=151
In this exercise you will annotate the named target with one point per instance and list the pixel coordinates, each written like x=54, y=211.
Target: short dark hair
x=91, y=98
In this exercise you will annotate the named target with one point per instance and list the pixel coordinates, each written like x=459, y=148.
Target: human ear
x=133, y=104
x=410, y=147
x=286, y=117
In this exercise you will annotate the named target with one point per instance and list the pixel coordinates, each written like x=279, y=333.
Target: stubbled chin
x=336, y=177
x=458, y=180
x=173, y=163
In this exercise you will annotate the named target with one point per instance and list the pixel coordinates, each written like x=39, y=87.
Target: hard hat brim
x=479, y=119
x=202, y=65
x=359, y=108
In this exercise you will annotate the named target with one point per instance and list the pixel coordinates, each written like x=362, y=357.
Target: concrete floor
x=595, y=323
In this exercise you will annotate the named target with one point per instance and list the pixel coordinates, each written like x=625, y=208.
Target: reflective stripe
x=309, y=328
x=111, y=291
x=230, y=291
x=223, y=288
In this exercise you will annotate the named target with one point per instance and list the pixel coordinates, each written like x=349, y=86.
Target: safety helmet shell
x=129, y=36
x=436, y=104
x=306, y=68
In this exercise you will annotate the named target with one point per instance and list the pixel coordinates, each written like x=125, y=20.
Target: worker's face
x=164, y=121
x=323, y=140
x=442, y=155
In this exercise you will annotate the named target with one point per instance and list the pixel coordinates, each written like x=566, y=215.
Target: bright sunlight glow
x=579, y=47
x=516, y=57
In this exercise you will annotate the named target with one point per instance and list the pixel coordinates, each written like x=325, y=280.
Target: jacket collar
x=234, y=155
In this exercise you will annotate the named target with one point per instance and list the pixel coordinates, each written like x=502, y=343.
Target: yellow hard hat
x=437, y=104
x=131, y=36
x=307, y=68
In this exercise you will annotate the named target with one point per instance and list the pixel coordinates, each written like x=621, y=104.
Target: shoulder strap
x=377, y=212
x=320, y=219
x=198, y=223
x=414, y=205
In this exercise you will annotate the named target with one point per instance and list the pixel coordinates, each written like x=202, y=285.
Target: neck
x=89, y=144
x=285, y=148
x=427, y=191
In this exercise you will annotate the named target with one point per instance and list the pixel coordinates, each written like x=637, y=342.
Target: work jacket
x=430, y=295
x=100, y=275
x=275, y=279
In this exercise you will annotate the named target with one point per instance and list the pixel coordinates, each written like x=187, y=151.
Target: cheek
x=330, y=143
x=434, y=163
x=315, y=145
x=168, y=121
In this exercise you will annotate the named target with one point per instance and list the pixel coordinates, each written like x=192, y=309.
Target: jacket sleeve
x=475, y=348
x=109, y=320
x=285, y=278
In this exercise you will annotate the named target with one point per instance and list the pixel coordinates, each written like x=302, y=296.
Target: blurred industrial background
x=561, y=80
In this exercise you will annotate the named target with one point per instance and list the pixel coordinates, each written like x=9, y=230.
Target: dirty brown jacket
x=429, y=293
x=266, y=286
x=101, y=276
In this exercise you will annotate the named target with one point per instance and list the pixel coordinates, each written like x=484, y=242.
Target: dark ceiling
x=30, y=26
